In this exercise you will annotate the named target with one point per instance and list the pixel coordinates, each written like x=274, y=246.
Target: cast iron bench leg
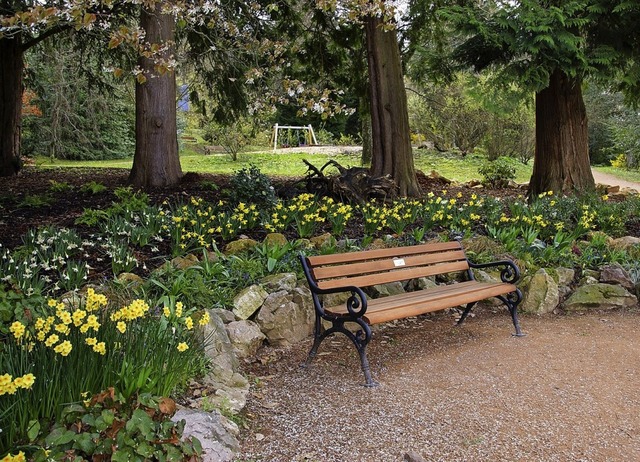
x=466, y=312
x=512, y=300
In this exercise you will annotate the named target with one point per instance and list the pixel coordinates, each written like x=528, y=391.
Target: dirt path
x=605, y=178
x=568, y=391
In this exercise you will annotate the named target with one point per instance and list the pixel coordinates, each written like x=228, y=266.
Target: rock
x=377, y=243
x=624, y=243
x=305, y=244
x=413, y=457
x=240, y=246
x=216, y=433
x=324, y=240
x=336, y=299
x=210, y=256
x=392, y=288
x=616, y=274
x=130, y=280
x=600, y=297
x=248, y=301
x=281, y=281
x=565, y=276
x=591, y=273
x=422, y=283
x=227, y=316
x=483, y=276
x=219, y=350
x=287, y=317
x=246, y=338
x=587, y=280
x=185, y=262
x=541, y=294
x=71, y=299
x=231, y=397
x=275, y=239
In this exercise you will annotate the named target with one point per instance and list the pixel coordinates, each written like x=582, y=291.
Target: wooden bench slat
x=387, y=264
x=352, y=257
x=393, y=276
x=412, y=304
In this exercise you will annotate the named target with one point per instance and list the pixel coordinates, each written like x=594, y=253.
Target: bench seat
x=409, y=304
x=351, y=272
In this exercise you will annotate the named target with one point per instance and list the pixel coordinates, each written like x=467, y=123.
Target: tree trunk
x=11, y=89
x=156, y=162
x=365, y=129
x=561, y=162
x=391, y=148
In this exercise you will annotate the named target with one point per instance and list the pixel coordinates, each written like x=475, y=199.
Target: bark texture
x=156, y=162
x=11, y=70
x=391, y=140
x=561, y=162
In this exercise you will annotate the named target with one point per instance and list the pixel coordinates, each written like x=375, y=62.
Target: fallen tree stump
x=353, y=185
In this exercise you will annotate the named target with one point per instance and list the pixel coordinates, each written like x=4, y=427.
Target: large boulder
x=565, y=276
x=275, y=239
x=281, y=281
x=600, y=297
x=248, y=301
x=391, y=288
x=216, y=433
x=540, y=294
x=185, y=262
x=324, y=240
x=616, y=274
x=287, y=317
x=227, y=316
x=240, y=246
x=246, y=338
x=624, y=243
x=224, y=363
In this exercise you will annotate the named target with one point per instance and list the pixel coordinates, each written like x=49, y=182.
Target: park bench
x=350, y=272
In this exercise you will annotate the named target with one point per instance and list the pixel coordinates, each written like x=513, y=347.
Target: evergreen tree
x=549, y=47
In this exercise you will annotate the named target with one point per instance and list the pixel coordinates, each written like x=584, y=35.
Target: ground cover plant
x=48, y=315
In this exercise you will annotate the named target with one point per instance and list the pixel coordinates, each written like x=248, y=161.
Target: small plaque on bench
x=398, y=261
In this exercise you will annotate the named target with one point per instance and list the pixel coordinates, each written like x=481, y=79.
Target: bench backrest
x=371, y=267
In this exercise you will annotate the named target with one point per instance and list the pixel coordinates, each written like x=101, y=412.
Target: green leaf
x=141, y=422
x=108, y=416
x=65, y=437
x=145, y=449
x=34, y=430
x=85, y=442
x=121, y=455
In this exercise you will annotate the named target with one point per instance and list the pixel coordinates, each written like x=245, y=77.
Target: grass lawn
x=451, y=166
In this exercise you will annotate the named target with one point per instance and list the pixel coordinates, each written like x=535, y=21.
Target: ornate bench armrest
x=509, y=274
x=356, y=303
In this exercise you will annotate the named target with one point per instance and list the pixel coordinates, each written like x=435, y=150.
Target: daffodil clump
x=197, y=224
x=51, y=360
x=307, y=215
x=336, y=213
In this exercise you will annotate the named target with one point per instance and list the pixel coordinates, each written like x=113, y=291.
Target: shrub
x=252, y=186
x=497, y=173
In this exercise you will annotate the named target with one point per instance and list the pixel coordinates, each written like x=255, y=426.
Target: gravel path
x=568, y=391
x=611, y=180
